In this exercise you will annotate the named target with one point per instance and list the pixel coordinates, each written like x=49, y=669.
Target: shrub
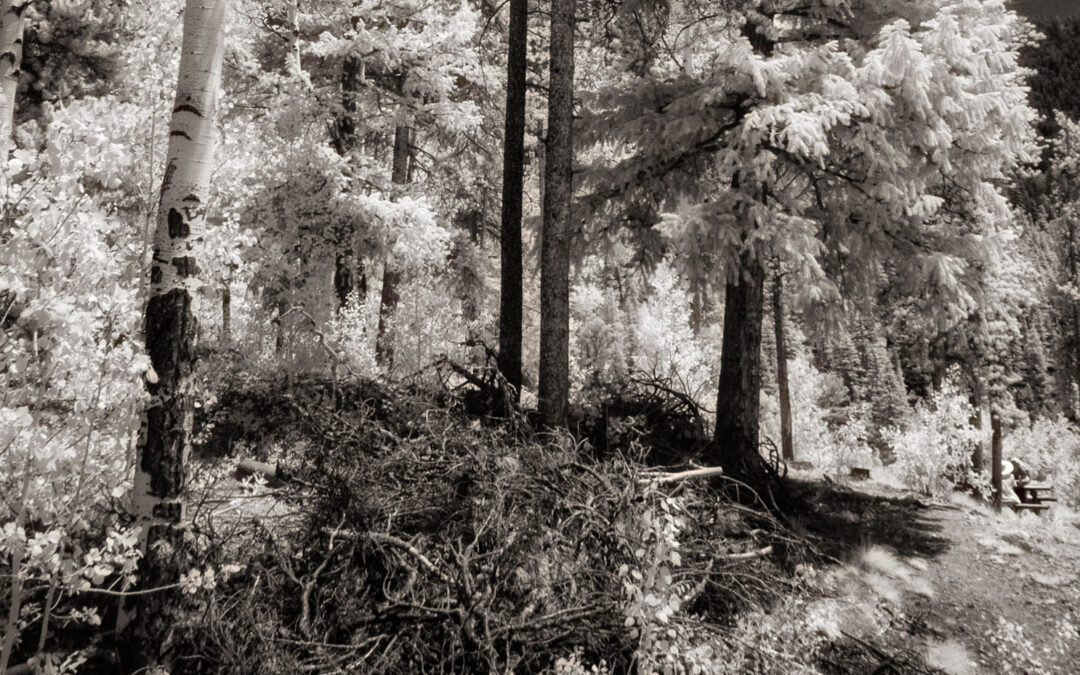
x=934, y=446
x=830, y=436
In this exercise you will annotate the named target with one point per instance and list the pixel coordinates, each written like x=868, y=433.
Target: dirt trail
x=1007, y=592
x=1005, y=587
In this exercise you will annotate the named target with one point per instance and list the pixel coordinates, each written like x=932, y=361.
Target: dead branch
x=391, y=540
x=704, y=472
x=747, y=555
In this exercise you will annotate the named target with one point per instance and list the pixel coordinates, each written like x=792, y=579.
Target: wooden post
x=995, y=457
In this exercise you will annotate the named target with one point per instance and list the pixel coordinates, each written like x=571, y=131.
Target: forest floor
x=950, y=585
x=1005, y=587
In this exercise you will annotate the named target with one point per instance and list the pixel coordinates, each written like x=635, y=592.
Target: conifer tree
x=388, y=299
x=554, y=389
x=510, y=294
x=349, y=273
x=829, y=132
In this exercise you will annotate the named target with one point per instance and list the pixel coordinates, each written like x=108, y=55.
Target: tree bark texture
x=736, y=435
x=384, y=343
x=510, y=293
x=554, y=389
x=171, y=325
x=348, y=269
x=226, y=316
x=1074, y=278
x=11, y=52
x=787, y=443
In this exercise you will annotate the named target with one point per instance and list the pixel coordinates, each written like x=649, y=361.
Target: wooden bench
x=1036, y=508
x=1033, y=497
x=1035, y=493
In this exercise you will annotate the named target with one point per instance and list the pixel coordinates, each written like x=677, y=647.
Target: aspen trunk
x=554, y=389
x=11, y=51
x=787, y=443
x=510, y=293
x=737, y=406
x=384, y=343
x=171, y=318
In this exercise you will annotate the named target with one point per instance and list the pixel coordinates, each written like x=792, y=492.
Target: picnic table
x=1034, y=497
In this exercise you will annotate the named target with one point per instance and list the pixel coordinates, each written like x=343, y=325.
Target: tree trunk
x=736, y=437
x=787, y=443
x=554, y=389
x=171, y=321
x=11, y=51
x=1074, y=279
x=348, y=270
x=226, y=316
x=995, y=458
x=384, y=347
x=697, y=309
x=975, y=398
x=510, y=293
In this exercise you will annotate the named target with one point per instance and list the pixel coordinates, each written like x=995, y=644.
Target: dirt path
x=1007, y=592
x=1005, y=588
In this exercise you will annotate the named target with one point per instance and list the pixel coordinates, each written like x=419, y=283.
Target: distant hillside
x=1056, y=82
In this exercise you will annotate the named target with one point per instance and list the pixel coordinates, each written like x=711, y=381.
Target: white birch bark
x=182, y=210
x=11, y=52
x=171, y=317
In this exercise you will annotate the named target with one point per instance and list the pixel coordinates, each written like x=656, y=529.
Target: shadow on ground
x=842, y=521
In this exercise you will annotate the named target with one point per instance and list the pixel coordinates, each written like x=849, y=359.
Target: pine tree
x=554, y=388
x=831, y=134
x=388, y=300
x=510, y=294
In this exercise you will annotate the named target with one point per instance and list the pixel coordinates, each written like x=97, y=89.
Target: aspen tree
x=11, y=51
x=171, y=324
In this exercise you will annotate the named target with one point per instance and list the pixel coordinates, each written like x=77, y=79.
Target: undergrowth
x=428, y=540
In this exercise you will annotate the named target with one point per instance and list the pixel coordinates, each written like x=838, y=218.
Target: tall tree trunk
x=554, y=389
x=995, y=457
x=171, y=320
x=11, y=51
x=787, y=443
x=697, y=309
x=736, y=437
x=510, y=293
x=1074, y=279
x=226, y=316
x=384, y=343
x=975, y=398
x=349, y=273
